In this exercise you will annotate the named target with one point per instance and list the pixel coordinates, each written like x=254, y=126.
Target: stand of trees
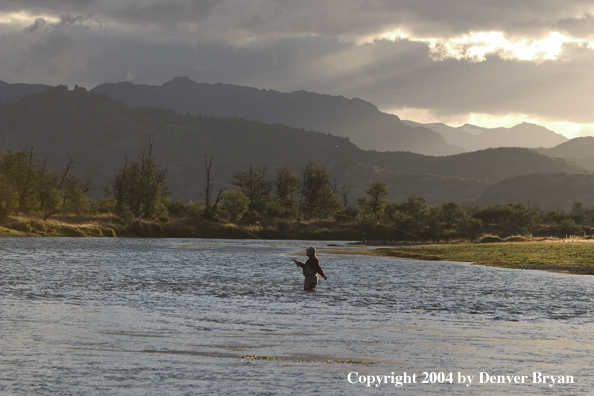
x=27, y=186
x=268, y=198
x=264, y=197
x=139, y=187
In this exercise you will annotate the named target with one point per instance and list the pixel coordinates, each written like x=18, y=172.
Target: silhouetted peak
x=471, y=126
x=179, y=81
x=76, y=103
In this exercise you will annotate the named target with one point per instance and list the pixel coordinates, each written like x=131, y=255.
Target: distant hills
x=550, y=191
x=473, y=138
x=491, y=164
x=579, y=150
x=541, y=190
x=360, y=121
x=98, y=132
x=13, y=92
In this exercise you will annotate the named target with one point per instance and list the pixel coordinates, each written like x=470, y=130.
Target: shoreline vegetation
x=574, y=255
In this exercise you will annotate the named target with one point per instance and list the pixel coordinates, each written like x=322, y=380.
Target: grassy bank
x=559, y=255
x=562, y=255
x=186, y=227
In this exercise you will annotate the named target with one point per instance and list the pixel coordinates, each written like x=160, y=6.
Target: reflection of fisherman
x=311, y=269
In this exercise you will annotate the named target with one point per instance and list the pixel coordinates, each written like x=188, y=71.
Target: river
x=98, y=316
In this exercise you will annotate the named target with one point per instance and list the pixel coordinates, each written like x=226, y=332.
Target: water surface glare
x=179, y=316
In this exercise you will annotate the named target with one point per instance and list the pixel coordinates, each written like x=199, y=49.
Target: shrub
x=490, y=239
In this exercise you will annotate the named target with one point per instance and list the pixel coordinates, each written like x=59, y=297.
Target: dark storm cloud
x=347, y=18
x=425, y=18
x=165, y=12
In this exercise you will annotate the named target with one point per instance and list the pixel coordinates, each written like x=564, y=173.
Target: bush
x=106, y=205
x=195, y=209
x=348, y=214
x=252, y=217
x=235, y=204
x=490, y=239
x=176, y=208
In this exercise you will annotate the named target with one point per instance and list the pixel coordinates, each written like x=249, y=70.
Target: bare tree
x=345, y=194
x=210, y=209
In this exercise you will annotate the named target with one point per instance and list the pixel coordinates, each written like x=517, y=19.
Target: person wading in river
x=311, y=269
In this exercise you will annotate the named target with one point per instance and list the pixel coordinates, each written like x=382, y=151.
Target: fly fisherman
x=311, y=269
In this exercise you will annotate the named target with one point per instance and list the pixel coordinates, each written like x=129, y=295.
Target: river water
x=186, y=317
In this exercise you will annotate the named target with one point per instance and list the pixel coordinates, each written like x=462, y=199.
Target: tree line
x=27, y=186
x=267, y=198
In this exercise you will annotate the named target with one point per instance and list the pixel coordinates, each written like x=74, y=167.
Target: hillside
x=491, y=164
x=13, y=92
x=360, y=121
x=542, y=190
x=99, y=132
x=574, y=148
x=473, y=138
x=579, y=150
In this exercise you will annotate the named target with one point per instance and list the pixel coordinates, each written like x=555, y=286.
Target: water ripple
x=85, y=316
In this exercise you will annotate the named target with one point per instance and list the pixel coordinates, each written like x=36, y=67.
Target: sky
x=484, y=62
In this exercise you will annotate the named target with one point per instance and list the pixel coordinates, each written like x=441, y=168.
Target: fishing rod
x=251, y=234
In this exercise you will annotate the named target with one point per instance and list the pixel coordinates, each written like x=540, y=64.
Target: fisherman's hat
x=311, y=249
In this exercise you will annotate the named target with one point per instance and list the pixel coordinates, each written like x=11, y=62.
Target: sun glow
x=426, y=116
x=23, y=19
x=475, y=46
x=565, y=128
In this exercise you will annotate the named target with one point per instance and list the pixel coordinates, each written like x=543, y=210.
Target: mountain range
x=360, y=121
x=473, y=138
x=99, y=132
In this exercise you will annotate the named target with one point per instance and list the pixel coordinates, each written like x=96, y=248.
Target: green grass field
x=573, y=256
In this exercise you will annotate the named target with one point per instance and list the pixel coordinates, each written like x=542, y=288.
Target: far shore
x=567, y=255
x=574, y=255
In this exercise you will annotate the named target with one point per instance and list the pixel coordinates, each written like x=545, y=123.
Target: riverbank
x=184, y=227
x=570, y=255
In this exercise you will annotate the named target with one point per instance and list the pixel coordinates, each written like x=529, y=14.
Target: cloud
x=475, y=46
x=131, y=75
x=169, y=13
x=349, y=20
x=49, y=50
x=451, y=59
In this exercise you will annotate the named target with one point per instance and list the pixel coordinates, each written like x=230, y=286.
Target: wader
x=311, y=278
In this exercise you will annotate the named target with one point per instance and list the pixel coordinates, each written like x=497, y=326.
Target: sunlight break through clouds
x=474, y=47
x=22, y=19
x=426, y=116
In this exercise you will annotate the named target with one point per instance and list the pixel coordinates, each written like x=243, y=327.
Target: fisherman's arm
x=316, y=266
x=299, y=263
x=321, y=272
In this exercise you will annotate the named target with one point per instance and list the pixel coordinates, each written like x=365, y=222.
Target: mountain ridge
x=473, y=137
x=360, y=121
x=547, y=191
x=186, y=96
